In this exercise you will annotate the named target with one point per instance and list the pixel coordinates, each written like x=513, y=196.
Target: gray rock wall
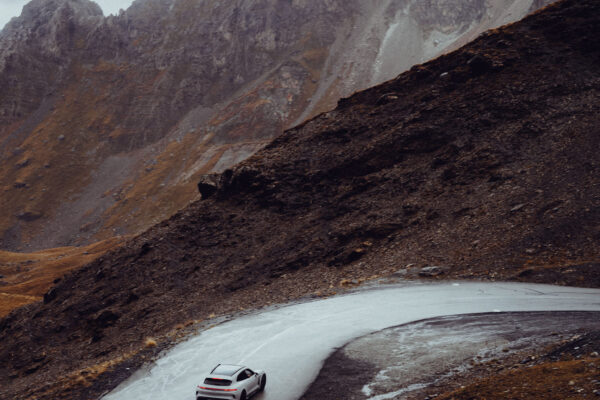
x=182, y=88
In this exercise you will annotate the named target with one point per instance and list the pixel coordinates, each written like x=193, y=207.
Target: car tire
x=243, y=396
x=263, y=382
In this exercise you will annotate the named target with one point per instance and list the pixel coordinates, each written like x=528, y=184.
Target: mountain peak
x=86, y=6
x=47, y=26
x=38, y=13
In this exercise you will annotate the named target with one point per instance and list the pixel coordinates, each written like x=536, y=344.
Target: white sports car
x=232, y=382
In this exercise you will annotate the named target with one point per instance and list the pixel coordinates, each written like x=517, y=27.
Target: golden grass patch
x=28, y=276
x=575, y=379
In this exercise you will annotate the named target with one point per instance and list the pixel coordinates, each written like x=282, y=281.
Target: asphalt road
x=291, y=343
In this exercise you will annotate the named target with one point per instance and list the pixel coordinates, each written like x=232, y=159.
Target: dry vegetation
x=574, y=379
x=26, y=277
x=81, y=378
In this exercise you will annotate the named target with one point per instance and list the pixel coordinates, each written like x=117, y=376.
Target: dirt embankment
x=568, y=370
x=544, y=355
x=483, y=162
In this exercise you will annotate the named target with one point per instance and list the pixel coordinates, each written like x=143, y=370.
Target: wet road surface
x=291, y=343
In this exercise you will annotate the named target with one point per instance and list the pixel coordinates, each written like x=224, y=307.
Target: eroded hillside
x=482, y=163
x=106, y=124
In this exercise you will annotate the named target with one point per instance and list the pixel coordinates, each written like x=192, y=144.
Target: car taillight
x=219, y=390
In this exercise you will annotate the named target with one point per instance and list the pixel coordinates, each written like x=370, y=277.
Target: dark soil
x=569, y=370
x=340, y=378
x=343, y=377
x=484, y=162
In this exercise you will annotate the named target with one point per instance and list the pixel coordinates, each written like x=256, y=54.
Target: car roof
x=226, y=369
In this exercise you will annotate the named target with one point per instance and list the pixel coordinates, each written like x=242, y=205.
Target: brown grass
x=27, y=276
x=9, y=302
x=575, y=379
x=83, y=377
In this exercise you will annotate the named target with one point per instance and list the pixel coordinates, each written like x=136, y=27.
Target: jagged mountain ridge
x=483, y=161
x=107, y=123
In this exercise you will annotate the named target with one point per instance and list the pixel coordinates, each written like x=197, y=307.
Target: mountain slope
x=482, y=162
x=106, y=124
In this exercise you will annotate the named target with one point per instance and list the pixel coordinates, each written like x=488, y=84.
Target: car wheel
x=243, y=396
x=263, y=382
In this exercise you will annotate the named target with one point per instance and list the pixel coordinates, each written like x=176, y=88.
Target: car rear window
x=217, y=382
x=227, y=370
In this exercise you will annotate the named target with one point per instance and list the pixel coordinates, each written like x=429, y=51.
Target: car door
x=247, y=381
x=253, y=380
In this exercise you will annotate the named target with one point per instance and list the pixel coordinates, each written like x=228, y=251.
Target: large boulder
x=208, y=185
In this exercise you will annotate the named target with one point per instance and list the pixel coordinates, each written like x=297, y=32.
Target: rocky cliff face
x=106, y=124
x=36, y=50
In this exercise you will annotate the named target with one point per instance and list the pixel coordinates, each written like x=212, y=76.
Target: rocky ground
x=485, y=356
x=482, y=163
x=568, y=370
x=106, y=124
